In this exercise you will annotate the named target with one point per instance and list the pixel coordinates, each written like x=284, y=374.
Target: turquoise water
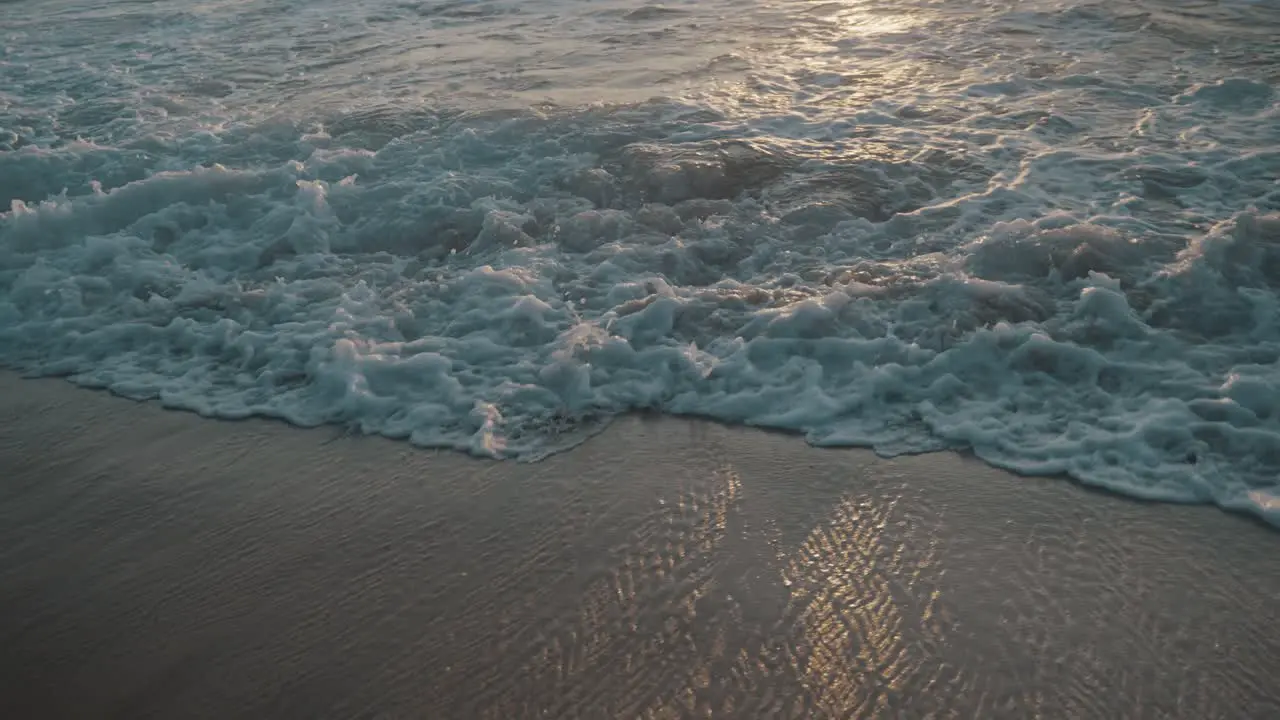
x=1048, y=232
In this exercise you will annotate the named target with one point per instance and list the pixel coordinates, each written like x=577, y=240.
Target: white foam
x=1090, y=289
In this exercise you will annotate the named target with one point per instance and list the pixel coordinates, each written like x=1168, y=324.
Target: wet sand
x=159, y=565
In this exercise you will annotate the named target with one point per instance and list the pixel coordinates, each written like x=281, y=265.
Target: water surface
x=1045, y=231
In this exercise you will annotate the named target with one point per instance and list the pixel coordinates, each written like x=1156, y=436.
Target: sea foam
x=1079, y=277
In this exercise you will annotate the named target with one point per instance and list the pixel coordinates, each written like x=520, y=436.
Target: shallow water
x=1045, y=231
x=163, y=566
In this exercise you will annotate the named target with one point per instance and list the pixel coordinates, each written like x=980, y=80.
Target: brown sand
x=158, y=565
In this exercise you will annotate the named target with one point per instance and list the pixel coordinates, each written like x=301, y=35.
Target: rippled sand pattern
x=165, y=566
x=637, y=647
x=867, y=628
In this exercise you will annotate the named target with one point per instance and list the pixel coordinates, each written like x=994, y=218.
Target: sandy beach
x=155, y=564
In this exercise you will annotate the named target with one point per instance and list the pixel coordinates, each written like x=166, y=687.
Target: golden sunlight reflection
x=839, y=58
x=871, y=18
x=853, y=591
x=637, y=643
x=704, y=609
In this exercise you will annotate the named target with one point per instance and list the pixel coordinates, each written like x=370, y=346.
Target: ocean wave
x=1061, y=276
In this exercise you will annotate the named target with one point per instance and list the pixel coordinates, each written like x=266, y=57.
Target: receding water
x=668, y=569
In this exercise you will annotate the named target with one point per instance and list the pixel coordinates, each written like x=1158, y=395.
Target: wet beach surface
x=157, y=564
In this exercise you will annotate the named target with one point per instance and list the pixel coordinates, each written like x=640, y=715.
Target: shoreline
x=1254, y=513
